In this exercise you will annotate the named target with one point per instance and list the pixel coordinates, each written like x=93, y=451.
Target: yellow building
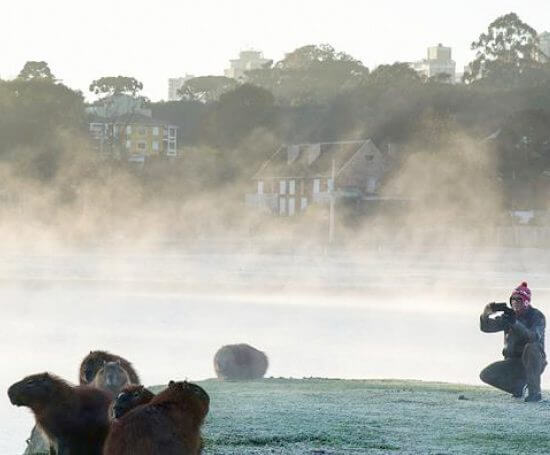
x=136, y=136
x=145, y=137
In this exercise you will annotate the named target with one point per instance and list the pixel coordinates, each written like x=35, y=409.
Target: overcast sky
x=153, y=41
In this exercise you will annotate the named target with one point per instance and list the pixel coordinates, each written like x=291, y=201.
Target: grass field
x=324, y=416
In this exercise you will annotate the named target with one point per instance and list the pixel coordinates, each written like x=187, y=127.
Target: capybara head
x=91, y=365
x=111, y=377
x=130, y=397
x=34, y=390
x=187, y=392
x=95, y=360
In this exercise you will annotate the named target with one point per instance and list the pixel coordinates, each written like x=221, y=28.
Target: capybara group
x=74, y=418
x=130, y=397
x=168, y=425
x=95, y=360
x=111, y=377
x=240, y=362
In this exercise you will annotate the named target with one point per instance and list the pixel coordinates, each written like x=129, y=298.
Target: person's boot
x=533, y=397
x=534, y=361
x=533, y=386
x=519, y=391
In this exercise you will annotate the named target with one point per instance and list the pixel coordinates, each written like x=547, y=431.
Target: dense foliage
x=315, y=93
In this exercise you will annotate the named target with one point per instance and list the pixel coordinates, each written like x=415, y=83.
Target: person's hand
x=498, y=306
x=509, y=318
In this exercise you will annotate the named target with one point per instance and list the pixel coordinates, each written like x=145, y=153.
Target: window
x=155, y=131
x=303, y=203
x=282, y=187
x=291, y=206
x=172, y=145
x=316, y=185
x=330, y=185
x=129, y=129
x=155, y=146
x=282, y=206
x=141, y=146
x=172, y=132
x=371, y=184
x=128, y=144
x=260, y=187
x=291, y=187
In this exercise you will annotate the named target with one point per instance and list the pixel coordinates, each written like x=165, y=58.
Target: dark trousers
x=512, y=374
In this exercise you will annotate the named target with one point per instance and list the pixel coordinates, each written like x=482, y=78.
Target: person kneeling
x=524, y=356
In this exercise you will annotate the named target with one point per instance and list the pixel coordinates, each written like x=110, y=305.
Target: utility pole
x=331, y=210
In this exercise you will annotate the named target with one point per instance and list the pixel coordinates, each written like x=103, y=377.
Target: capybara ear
x=171, y=383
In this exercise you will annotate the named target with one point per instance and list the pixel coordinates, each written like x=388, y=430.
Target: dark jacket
x=528, y=328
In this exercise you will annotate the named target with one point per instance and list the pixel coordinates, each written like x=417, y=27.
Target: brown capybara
x=74, y=418
x=168, y=425
x=111, y=377
x=130, y=396
x=240, y=362
x=94, y=361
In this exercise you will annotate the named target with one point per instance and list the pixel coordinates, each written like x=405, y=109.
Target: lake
x=379, y=315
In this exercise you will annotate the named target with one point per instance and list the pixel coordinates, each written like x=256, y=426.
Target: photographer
x=524, y=357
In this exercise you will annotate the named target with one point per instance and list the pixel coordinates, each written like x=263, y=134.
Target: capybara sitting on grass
x=130, y=397
x=95, y=360
x=75, y=419
x=240, y=362
x=111, y=377
x=168, y=425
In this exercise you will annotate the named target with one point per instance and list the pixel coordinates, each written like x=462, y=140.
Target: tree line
x=315, y=93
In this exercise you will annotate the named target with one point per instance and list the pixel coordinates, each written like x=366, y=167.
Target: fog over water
x=378, y=314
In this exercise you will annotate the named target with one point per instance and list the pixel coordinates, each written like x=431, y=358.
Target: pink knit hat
x=523, y=292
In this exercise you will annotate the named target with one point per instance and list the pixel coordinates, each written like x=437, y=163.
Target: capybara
x=168, y=425
x=130, y=396
x=74, y=418
x=111, y=377
x=240, y=362
x=94, y=361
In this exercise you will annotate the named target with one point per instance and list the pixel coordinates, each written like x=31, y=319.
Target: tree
x=524, y=143
x=392, y=75
x=37, y=121
x=206, y=88
x=237, y=114
x=306, y=56
x=36, y=70
x=310, y=74
x=509, y=48
x=115, y=85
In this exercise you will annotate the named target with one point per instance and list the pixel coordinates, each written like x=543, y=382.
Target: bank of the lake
x=324, y=416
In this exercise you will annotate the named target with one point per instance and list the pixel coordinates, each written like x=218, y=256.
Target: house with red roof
x=298, y=176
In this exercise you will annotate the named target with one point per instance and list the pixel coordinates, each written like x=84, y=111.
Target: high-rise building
x=438, y=63
x=248, y=60
x=174, y=84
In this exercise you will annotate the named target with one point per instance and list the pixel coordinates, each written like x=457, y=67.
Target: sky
x=82, y=41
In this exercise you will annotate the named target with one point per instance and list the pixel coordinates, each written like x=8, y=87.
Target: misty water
x=381, y=314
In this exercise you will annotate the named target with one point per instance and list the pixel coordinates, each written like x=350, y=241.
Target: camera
x=500, y=306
